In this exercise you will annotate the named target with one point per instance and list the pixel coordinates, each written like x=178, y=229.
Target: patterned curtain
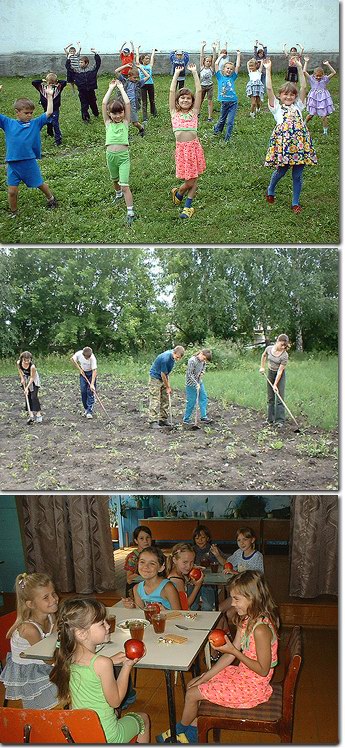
x=68, y=537
x=314, y=546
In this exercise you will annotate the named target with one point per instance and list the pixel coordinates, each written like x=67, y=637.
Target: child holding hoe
x=23, y=148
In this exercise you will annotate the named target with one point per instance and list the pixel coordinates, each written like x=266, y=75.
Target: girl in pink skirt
x=190, y=161
x=319, y=100
x=255, y=646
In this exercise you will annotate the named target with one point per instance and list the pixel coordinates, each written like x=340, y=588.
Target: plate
x=123, y=625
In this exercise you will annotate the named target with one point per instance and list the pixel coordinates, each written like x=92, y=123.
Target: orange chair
x=6, y=622
x=46, y=726
x=50, y=726
x=274, y=716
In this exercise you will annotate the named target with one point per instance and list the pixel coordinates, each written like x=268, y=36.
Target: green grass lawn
x=230, y=205
x=311, y=387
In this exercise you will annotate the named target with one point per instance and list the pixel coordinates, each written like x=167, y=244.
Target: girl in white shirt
x=255, y=88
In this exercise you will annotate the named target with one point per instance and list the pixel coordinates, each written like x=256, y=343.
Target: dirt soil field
x=237, y=452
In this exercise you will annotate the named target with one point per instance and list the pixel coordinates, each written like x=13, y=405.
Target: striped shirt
x=195, y=369
x=74, y=60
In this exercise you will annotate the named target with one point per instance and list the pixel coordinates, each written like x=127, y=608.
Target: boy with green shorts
x=116, y=117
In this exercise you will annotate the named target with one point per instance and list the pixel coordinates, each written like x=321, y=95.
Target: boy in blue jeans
x=227, y=94
x=195, y=387
x=23, y=147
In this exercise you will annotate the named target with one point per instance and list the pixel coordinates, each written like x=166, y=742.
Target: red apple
x=195, y=574
x=228, y=566
x=134, y=649
x=217, y=638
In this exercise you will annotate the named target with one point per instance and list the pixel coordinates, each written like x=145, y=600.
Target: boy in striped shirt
x=194, y=386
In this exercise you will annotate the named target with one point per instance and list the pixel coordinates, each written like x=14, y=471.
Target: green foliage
x=321, y=447
x=230, y=205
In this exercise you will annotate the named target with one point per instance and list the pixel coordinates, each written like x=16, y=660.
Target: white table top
x=158, y=656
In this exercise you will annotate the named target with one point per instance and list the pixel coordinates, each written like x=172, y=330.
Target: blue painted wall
x=11, y=548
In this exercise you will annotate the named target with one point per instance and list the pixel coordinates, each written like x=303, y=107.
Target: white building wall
x=46, y=26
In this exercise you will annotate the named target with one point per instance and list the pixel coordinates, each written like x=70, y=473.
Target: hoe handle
x=281, y=399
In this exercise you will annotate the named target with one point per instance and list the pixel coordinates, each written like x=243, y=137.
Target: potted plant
x=207, y=513
x=113, y=520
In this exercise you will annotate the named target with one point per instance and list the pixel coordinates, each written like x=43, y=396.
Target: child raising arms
x=116, y=118
x=290, y=143
x=154, y=588
x=206, y=77
x=226, y=77
x=255, y=88
x=319, y=100
x=28, y=679
x=189, y=156
x=255, y=646
x=85, y=678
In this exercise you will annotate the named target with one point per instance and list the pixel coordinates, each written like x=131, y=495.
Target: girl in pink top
x=189, y=156
x=255, y=646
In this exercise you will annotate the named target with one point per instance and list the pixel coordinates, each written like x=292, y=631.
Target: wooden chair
x=274, y=716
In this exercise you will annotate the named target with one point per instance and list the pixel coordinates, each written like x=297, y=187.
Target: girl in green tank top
x=116, y=117
x=85, y=678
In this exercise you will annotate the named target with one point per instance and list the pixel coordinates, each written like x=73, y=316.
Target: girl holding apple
x=245, y=558
x=255, y=646
x=85, y=678
x=182, y=573
x=154, y=587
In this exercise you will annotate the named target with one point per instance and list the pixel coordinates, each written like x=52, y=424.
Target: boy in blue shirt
x=159, y=386
x=23, y=147
x=227, y=94
x=179, y=59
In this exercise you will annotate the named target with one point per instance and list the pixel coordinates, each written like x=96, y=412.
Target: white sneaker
x=85, y=413
x=88, y=415
x=39, y=419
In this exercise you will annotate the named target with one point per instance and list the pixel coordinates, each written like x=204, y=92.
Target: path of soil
x=237, y=452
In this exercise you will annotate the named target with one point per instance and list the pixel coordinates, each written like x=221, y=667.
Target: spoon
x=189, y=628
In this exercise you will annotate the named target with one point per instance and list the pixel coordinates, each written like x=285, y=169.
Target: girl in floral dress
x=255, y=646
x=290, y=143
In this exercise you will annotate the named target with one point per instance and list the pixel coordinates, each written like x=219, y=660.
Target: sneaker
x=187, y=212
x=270, y=198
x=13, y=214
x=142, y=132
x=51, y=204
x=176, y=200
x=85, y=413
x=209, y=119
x=39, y=419
x=130, y=218
x=206, y=420
x=279, y=425
x=89, y=415
x=118, y=196
x=30, y=421
x=296, y=208
x=154, y=425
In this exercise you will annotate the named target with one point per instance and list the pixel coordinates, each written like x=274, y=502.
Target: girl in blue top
x=154, y=588
x=146, y=61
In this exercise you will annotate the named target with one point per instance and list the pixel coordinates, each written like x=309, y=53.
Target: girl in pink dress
x=255, y=646
x=190, y=161
x=319, y=100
